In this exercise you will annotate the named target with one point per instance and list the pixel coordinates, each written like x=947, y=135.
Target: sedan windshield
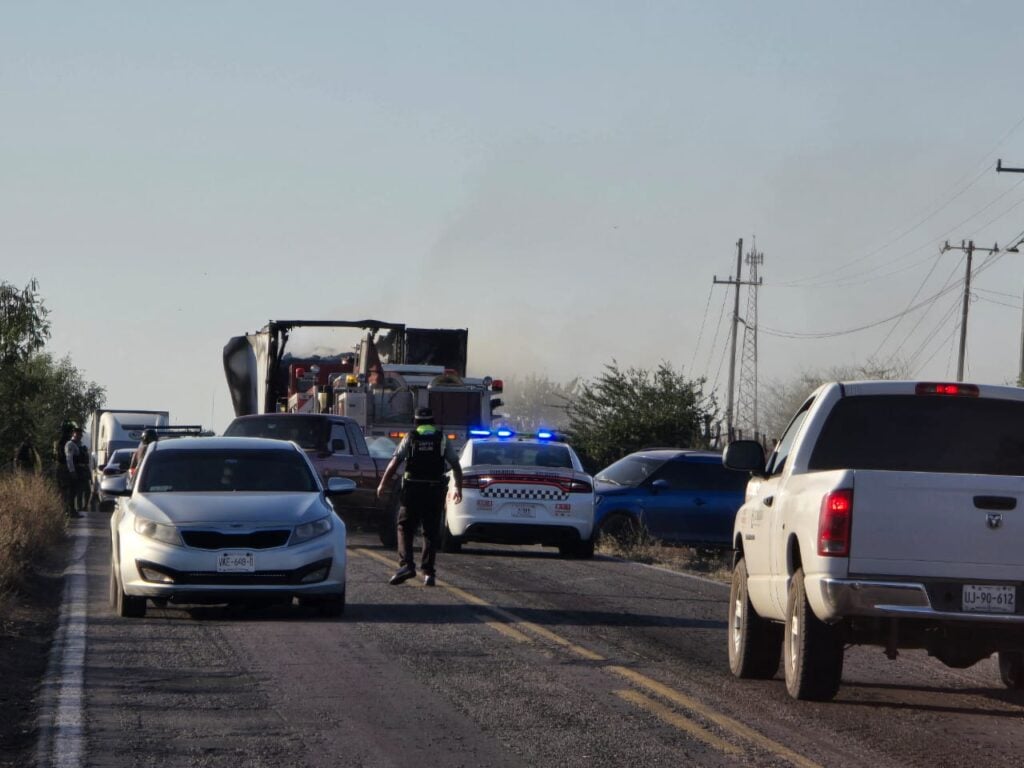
x=630, y=471
x=210, y=470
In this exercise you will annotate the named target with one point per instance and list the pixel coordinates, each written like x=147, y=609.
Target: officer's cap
x=424, y=416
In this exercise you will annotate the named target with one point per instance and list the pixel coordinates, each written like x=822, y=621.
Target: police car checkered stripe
x=535, y=493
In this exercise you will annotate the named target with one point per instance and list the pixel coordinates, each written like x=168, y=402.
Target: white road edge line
x=663, y=569
x=61, y=724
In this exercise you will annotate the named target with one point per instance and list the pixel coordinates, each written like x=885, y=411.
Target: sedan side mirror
x=660, y=485
x=116, y=486
x=339, y=486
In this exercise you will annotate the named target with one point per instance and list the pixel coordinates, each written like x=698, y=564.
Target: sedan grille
x=251, y=540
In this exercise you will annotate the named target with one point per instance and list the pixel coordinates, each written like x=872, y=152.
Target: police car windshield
x=522, y=455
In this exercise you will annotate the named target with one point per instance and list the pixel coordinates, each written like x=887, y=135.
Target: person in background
x=70, y=487
x=148, y=437
x=425, y=452
x=83, y=476
x=27, y=459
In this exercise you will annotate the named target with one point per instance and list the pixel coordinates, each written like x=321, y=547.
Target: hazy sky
x=564, y=179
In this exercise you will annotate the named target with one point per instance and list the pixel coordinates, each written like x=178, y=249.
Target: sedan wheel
x=127, y=606
x=1011, y=669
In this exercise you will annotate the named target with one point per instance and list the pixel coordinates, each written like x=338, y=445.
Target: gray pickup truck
x=337, y=448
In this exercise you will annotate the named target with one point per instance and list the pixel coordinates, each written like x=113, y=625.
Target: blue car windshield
x=630, y=471
x=207, y=471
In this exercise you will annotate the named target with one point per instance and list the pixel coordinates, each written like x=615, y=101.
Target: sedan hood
x=255, y=508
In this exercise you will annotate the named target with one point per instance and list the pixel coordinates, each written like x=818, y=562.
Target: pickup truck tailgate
x=937, y=525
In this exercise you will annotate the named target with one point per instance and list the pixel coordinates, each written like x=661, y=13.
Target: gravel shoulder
x=28, y=619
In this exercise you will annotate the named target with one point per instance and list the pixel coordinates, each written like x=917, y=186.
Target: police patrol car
x=521, y=489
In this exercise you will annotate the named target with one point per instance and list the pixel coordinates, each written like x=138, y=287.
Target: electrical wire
x=700, y=334
x=984, y=166
x=718, y=328
x=949, y=279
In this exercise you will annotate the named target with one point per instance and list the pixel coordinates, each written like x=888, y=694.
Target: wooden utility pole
x=729, y=413
x=1013, y=249
x=969, y=249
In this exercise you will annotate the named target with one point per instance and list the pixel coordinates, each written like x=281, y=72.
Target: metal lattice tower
x=746, y=399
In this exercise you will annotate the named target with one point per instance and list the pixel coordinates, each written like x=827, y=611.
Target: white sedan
x=215, y=520
x=521, y=490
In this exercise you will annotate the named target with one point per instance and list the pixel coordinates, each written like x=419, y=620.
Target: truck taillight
x=834, y=523
x=953, y=390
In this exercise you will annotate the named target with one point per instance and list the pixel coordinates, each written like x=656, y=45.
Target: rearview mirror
x=660, y=484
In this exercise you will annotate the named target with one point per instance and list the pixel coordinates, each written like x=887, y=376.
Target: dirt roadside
x=28, y=619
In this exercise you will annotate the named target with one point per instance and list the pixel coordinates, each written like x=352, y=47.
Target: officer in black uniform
x=425, y=452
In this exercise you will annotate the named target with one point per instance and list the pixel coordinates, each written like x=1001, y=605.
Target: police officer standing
x=149, y=437
x=425, y=452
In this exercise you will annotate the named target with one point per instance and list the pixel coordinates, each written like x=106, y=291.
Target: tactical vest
x=426, y=455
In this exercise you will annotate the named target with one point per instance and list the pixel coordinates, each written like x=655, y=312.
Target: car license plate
x=236, y=562
x=523, y=510
x=989, y=598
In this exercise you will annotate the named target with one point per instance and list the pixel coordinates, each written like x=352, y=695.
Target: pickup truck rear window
x=310, y=432
x=959, y=435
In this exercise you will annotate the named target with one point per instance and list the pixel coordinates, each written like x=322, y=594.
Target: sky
x=564, y=179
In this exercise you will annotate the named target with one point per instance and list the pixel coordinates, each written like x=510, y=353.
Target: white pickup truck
x=889, y=514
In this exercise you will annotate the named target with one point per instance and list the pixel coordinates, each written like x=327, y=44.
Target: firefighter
x=425, y=452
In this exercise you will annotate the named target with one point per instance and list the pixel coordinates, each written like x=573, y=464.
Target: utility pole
x=969, y=249
x=1014, y=249
x=746, y=386
x=730, y=425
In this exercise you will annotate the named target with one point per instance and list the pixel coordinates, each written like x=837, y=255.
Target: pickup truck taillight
x=834, y=523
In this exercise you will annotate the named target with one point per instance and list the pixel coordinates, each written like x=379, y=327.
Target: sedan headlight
x=308, y=531
x=168, y=534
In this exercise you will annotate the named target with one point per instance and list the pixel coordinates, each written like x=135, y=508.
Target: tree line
x=39, y=392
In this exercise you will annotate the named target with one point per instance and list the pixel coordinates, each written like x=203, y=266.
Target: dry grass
x=32, y=522
x=639, y=547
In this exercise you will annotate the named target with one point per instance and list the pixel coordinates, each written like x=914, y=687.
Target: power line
x=700, y=334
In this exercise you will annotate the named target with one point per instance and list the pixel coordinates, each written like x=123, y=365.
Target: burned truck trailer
x=380, y=382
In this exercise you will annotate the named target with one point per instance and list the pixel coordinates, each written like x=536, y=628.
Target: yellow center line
x=676, y=720
x=733, y=726
x=640, y=680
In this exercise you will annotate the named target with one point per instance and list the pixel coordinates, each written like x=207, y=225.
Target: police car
x=521, y=489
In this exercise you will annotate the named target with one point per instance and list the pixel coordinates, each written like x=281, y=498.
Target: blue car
x=678, y=496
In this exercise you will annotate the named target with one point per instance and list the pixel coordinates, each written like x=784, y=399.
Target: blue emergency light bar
x=504, y=432
x=480, y=432
x=545, y=434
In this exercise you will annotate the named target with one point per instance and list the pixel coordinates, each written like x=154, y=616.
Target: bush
x=32, y=522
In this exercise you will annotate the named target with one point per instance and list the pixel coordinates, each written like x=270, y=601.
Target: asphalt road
x=517, y=657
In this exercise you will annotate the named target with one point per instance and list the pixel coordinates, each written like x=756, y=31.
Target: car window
x=307, y=431
x=704, y=476
x=205, y=471
x=356, y=440
x=777, y=461
x=913, y=433
x=339, y=442
x=630, y=471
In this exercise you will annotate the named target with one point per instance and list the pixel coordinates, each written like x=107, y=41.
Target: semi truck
x=380, y=383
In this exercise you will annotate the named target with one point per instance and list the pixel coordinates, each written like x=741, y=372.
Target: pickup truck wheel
x=1011, y=669
x=755, y=644
x=813, y=650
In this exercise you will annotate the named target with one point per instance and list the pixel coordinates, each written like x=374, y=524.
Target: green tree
x=622, y=411
x=38, y=392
